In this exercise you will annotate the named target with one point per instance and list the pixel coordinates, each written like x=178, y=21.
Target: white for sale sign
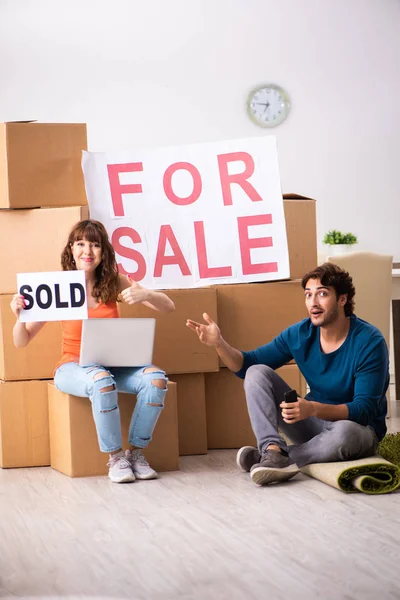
x=191, y=216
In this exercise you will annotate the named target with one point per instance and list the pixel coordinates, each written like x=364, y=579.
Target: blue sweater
x=356, y=374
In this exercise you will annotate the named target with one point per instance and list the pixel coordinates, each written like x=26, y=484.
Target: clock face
x=268, y=105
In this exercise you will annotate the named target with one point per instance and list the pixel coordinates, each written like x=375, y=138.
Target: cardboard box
x=73, y=439
x=38, y=359
x=301, y=229
x=24, y=424
x=191, y=414
x=40, y=164
x=252, y=314
x=32, y=241
x=228, y=422
x=177, y=349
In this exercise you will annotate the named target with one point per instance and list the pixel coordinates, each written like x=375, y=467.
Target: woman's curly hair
x=331, y=275
x=106, y=286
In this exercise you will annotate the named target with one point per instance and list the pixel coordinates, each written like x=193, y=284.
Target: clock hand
x=266, y=104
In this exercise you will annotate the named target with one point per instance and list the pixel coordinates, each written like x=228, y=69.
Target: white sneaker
x=120, y=470
x=139, y=464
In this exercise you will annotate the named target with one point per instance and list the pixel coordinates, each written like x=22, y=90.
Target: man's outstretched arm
x=209, y=334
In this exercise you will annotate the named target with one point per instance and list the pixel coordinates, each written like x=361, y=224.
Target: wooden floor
x=205, y=532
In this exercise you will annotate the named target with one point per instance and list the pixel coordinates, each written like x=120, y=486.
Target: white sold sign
x=54, y=296
x=190, y=216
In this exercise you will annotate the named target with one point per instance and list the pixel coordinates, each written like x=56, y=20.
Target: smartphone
x=291, y=396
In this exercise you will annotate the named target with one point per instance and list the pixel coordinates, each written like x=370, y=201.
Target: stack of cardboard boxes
x=41, y=197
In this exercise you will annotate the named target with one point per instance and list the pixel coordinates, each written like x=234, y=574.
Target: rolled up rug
x=373, y=475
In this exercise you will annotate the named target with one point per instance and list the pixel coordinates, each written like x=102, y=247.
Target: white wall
x=161, y=72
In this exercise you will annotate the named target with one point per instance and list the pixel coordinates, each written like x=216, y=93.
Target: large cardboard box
x=301, y=229
x=191, y=413
x=40, y=164
x=74, y=448
x=177, y=349
x=38, y=359
x=24, y=424
x=228, y=422
x=252, y=314
x=32, y=241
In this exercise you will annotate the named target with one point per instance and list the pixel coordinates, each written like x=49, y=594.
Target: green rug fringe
x=389, y=448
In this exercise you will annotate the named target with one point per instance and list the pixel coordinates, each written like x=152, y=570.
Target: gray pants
x=314, y=440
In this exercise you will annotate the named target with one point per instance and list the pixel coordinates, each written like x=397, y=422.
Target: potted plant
x=339, y=243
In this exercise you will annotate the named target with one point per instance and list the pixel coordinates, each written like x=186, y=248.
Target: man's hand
x=209, y=334
x=292, y=412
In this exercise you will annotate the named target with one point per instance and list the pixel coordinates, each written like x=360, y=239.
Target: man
x=345, y=363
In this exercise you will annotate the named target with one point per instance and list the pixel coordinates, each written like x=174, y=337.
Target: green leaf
x=334, y=237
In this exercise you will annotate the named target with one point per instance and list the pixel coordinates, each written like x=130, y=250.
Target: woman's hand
x=23, y=332
x=209, y=334
x=135, y=293
x=17, y=303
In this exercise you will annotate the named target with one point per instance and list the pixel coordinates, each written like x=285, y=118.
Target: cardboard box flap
x=41, y=122
x=292, y=196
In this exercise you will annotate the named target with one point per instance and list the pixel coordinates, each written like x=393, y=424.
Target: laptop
x=117, y=342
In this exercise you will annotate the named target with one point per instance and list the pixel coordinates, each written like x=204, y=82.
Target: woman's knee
x=107, y=381
x=157, y=377
x=104, y=391
x=154, y=386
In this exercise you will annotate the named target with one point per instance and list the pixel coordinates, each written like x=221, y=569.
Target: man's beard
x=329, y=317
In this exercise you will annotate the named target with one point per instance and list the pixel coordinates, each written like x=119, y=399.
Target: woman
x=89, y=249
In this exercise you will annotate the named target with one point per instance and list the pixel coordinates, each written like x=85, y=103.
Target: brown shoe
x=273, y=467
x=247, y=457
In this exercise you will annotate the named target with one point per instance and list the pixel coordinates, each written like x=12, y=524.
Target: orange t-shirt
x=72, y=331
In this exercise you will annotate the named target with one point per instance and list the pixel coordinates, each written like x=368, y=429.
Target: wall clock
x=268, y=105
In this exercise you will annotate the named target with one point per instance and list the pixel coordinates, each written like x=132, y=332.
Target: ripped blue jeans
x=79, y=381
